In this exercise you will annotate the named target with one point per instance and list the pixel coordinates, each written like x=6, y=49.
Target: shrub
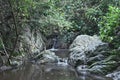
x=108, y=24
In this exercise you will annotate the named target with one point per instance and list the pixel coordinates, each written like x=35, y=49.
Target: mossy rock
x=103, y=67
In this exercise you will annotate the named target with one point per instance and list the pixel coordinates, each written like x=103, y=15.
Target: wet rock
x=16, y=63
x=46, y=57
x=114, y=75
x=103, y=67
x=3, y=68
x=82, y=67
x=86, y=74
x=93, y=77
x=106, y=65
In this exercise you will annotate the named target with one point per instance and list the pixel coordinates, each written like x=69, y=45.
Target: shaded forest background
x=64, y=19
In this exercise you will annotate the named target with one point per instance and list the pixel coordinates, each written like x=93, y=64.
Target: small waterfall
x=61, y=61
x=54, y=44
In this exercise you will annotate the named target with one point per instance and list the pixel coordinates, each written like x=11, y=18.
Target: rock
x=3, y=68
x=86, y=74
x=46, y=56
x=98, y=57
x=86, y=42
x=114, y=75
x=82, y=46
x=89, y=76
x=31, y=42
x=15, y=63
x=91, y=51
x=106, y=65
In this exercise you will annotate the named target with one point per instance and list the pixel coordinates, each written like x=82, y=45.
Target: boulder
x=91, y=51
x=114, y=75
x=46, y=56
x=83, y=46
x=102, y=67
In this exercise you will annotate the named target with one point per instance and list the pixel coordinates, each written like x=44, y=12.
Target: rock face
x=28, y=43
x=31, y=42
x=82, y=45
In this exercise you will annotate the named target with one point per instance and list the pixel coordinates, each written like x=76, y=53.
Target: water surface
x=31, y=71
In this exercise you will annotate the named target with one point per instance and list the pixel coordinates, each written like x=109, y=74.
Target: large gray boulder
x=81, y=46
x=91, y=51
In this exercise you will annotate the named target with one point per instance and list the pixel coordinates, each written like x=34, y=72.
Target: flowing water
x=54, y=43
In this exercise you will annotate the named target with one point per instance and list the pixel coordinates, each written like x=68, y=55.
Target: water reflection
x=31, y=71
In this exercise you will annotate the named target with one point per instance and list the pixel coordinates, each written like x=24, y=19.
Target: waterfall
x=60, y=61
x=54, y=44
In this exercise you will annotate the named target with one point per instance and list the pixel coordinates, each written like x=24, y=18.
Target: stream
x=37, y=71
x=49, y=71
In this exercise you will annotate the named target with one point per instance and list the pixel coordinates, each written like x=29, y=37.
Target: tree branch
x=15, y=23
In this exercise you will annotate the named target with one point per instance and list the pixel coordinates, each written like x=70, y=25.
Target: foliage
x=44, y=15
x=76, y=16
x=109, y=23
x=54, y=19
